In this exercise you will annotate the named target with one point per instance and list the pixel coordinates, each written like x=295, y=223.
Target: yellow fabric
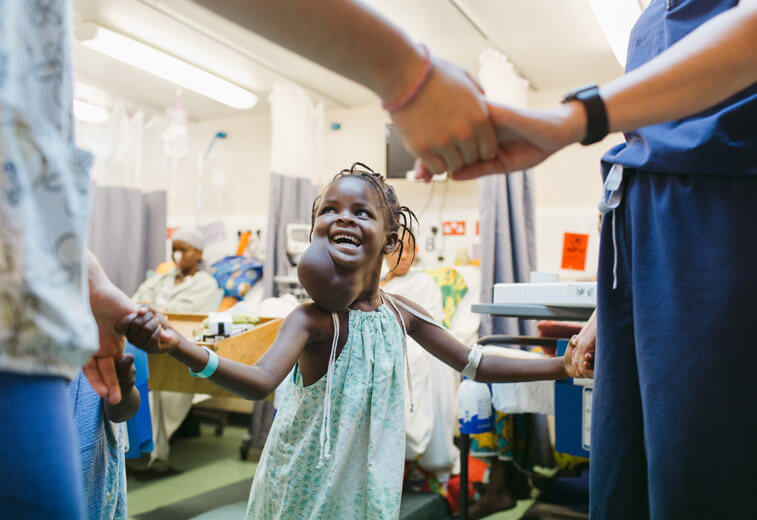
x=453, y=288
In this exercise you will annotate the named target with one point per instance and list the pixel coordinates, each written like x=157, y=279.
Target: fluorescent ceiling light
x=89, y=113
x=616, y=17
x=164, y=66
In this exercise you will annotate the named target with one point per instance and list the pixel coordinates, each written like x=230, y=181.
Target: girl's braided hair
x=397, y=216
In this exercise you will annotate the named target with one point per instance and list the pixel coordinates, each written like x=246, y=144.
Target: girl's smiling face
x=351, y=217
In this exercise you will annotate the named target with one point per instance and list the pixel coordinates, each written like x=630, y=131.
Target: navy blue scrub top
x=719, y=141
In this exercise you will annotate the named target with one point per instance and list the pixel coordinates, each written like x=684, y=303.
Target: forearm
x=95, y=273
x=344, y=36
x=712, y=63
x=501, y=369
x=100, y=286
x=126, y=409
x=250, y=382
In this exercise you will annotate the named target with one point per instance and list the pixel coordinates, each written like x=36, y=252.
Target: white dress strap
x=417, y=314
x=326, y=423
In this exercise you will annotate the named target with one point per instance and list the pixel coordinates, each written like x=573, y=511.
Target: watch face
x=580, y=91
x=587, y=92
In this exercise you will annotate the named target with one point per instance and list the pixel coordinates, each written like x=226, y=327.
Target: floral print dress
x=337, y=447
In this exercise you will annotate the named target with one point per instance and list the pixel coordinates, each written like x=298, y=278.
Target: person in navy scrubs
x=674, y=420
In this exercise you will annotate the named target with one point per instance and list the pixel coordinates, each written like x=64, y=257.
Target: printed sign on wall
x=574, y=250
x=453, y=227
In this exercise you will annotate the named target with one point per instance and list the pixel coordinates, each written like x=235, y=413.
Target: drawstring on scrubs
x=612, y=196
x=614, y=254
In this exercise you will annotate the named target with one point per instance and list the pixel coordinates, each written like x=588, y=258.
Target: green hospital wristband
x=210, y=368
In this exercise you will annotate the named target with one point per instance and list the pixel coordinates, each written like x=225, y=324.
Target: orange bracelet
x=408, y=97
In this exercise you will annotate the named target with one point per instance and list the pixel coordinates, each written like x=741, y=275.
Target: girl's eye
x=327, y=209
x=363, y=212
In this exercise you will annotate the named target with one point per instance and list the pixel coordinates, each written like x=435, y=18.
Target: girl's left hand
x=584, y=346
x=567, y=362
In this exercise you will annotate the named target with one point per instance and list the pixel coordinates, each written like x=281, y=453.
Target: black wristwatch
x=596, y=114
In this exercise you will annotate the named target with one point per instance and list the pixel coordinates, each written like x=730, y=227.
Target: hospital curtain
x=297, y=126
x=129, y=181
x=506, y=206
x=508, y=243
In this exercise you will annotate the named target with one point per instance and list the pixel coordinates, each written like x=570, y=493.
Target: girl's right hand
x=149, y=330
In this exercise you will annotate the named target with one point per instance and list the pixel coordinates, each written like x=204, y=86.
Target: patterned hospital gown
x=101, y=453
x=46, y=326
x=362, y=479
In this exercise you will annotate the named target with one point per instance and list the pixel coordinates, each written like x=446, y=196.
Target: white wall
x=568, y=185
x=235, y=180
x=235, y=176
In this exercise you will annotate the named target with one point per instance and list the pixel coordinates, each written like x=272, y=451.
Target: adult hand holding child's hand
x=585, y=343
x=525, y=138
x=149, y=330
x=447, y=124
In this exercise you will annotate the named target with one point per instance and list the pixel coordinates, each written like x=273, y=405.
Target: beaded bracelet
x=408, y=97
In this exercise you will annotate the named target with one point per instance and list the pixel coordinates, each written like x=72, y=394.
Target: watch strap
x=597, y=125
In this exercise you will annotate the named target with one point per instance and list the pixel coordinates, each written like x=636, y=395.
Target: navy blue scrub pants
x=39, y=455
x=674, y=422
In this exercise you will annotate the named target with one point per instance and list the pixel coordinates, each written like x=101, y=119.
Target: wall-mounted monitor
x=398, y=159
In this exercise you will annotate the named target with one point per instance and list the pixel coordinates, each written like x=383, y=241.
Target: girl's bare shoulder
x=317, y=321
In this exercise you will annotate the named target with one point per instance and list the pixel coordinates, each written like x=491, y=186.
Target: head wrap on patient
x=193, y=237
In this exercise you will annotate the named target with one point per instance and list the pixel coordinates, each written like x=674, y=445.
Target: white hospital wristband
x=474, y=359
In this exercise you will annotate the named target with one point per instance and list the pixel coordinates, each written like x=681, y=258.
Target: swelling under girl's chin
x=317, y=273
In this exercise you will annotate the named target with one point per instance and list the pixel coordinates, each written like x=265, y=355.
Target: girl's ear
x=392, y=242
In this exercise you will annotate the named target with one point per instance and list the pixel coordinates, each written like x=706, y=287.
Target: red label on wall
x=170, y=231
x=453, y=227
x=478, y=227
x=574, y=249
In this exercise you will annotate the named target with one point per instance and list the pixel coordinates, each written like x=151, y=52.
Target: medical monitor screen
x=398, y=160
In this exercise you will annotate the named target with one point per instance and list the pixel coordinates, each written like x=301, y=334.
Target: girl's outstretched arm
x=151, y=332
x=492, y=369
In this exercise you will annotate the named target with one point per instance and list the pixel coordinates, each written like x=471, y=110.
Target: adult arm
x=710, y=64
x=109, y=305
x=446, y=124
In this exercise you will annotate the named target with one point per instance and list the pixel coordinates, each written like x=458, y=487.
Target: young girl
x=337, y=445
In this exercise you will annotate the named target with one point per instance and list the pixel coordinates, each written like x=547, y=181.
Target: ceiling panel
x=553, y=43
